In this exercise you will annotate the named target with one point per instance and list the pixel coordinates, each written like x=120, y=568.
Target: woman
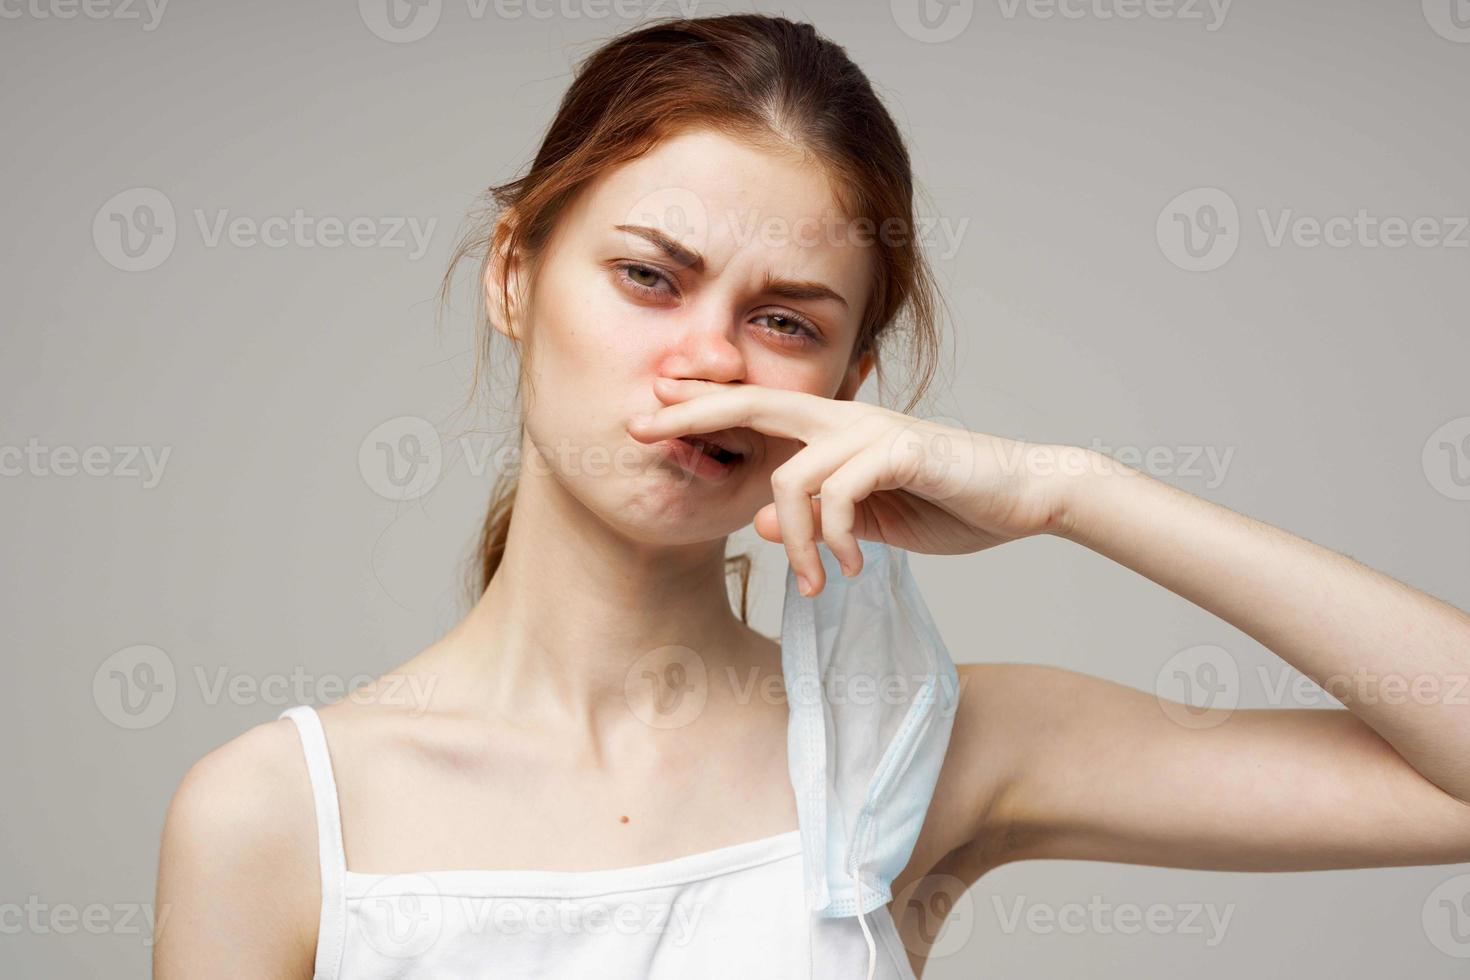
x=713, y=242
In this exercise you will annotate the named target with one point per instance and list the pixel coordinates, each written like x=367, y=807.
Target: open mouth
x=727, y=456
x=710, y=455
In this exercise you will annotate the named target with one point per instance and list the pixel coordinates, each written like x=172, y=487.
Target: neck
x=575, y=606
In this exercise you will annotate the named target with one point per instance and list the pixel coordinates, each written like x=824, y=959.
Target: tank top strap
x=332, y=859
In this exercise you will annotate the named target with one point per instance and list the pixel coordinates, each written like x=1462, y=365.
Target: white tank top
x=734, y=913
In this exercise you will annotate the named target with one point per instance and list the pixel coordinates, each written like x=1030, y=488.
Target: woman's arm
x=237, y=876
x=1049, y=763
x=1397, y=658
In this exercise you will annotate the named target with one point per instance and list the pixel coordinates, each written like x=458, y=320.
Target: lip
x=700, y=464
x=730, y=440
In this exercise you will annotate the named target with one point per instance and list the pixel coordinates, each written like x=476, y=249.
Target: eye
x=783, y=326
x=642, y=278
x=789, y=328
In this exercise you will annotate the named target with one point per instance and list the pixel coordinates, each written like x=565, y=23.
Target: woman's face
x=703, y=259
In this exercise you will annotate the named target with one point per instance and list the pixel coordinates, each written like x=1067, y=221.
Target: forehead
x=737, y=205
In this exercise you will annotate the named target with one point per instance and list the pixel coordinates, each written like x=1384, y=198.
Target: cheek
x=806, y=376
x=582, y=332
x=610, y=350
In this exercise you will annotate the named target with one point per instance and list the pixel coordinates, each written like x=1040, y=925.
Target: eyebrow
x=685, y=258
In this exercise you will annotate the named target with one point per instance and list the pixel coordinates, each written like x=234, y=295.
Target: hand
x=872, y=473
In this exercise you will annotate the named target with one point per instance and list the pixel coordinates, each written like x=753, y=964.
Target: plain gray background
x=1328, y=381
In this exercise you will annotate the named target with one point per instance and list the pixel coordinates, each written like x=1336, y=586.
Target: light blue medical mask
x=872, y=693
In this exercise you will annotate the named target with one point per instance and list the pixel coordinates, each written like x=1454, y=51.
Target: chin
x=670, y=513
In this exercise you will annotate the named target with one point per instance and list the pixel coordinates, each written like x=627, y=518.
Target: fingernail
x=846, y=568
x=639, y=421
x=803, y=586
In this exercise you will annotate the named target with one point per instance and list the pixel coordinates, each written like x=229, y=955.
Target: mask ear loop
x=867, y=934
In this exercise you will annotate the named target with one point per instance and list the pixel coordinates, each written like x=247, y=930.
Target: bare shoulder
x=238, y=867
x=237, y=789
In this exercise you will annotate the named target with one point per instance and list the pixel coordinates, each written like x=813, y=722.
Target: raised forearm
x=1395, y=656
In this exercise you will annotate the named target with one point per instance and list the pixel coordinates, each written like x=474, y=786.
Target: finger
x=794, y=511
x=796, y=481
x=708, y=406
x=768, y=525
x=815, y=467
x=864, y=473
